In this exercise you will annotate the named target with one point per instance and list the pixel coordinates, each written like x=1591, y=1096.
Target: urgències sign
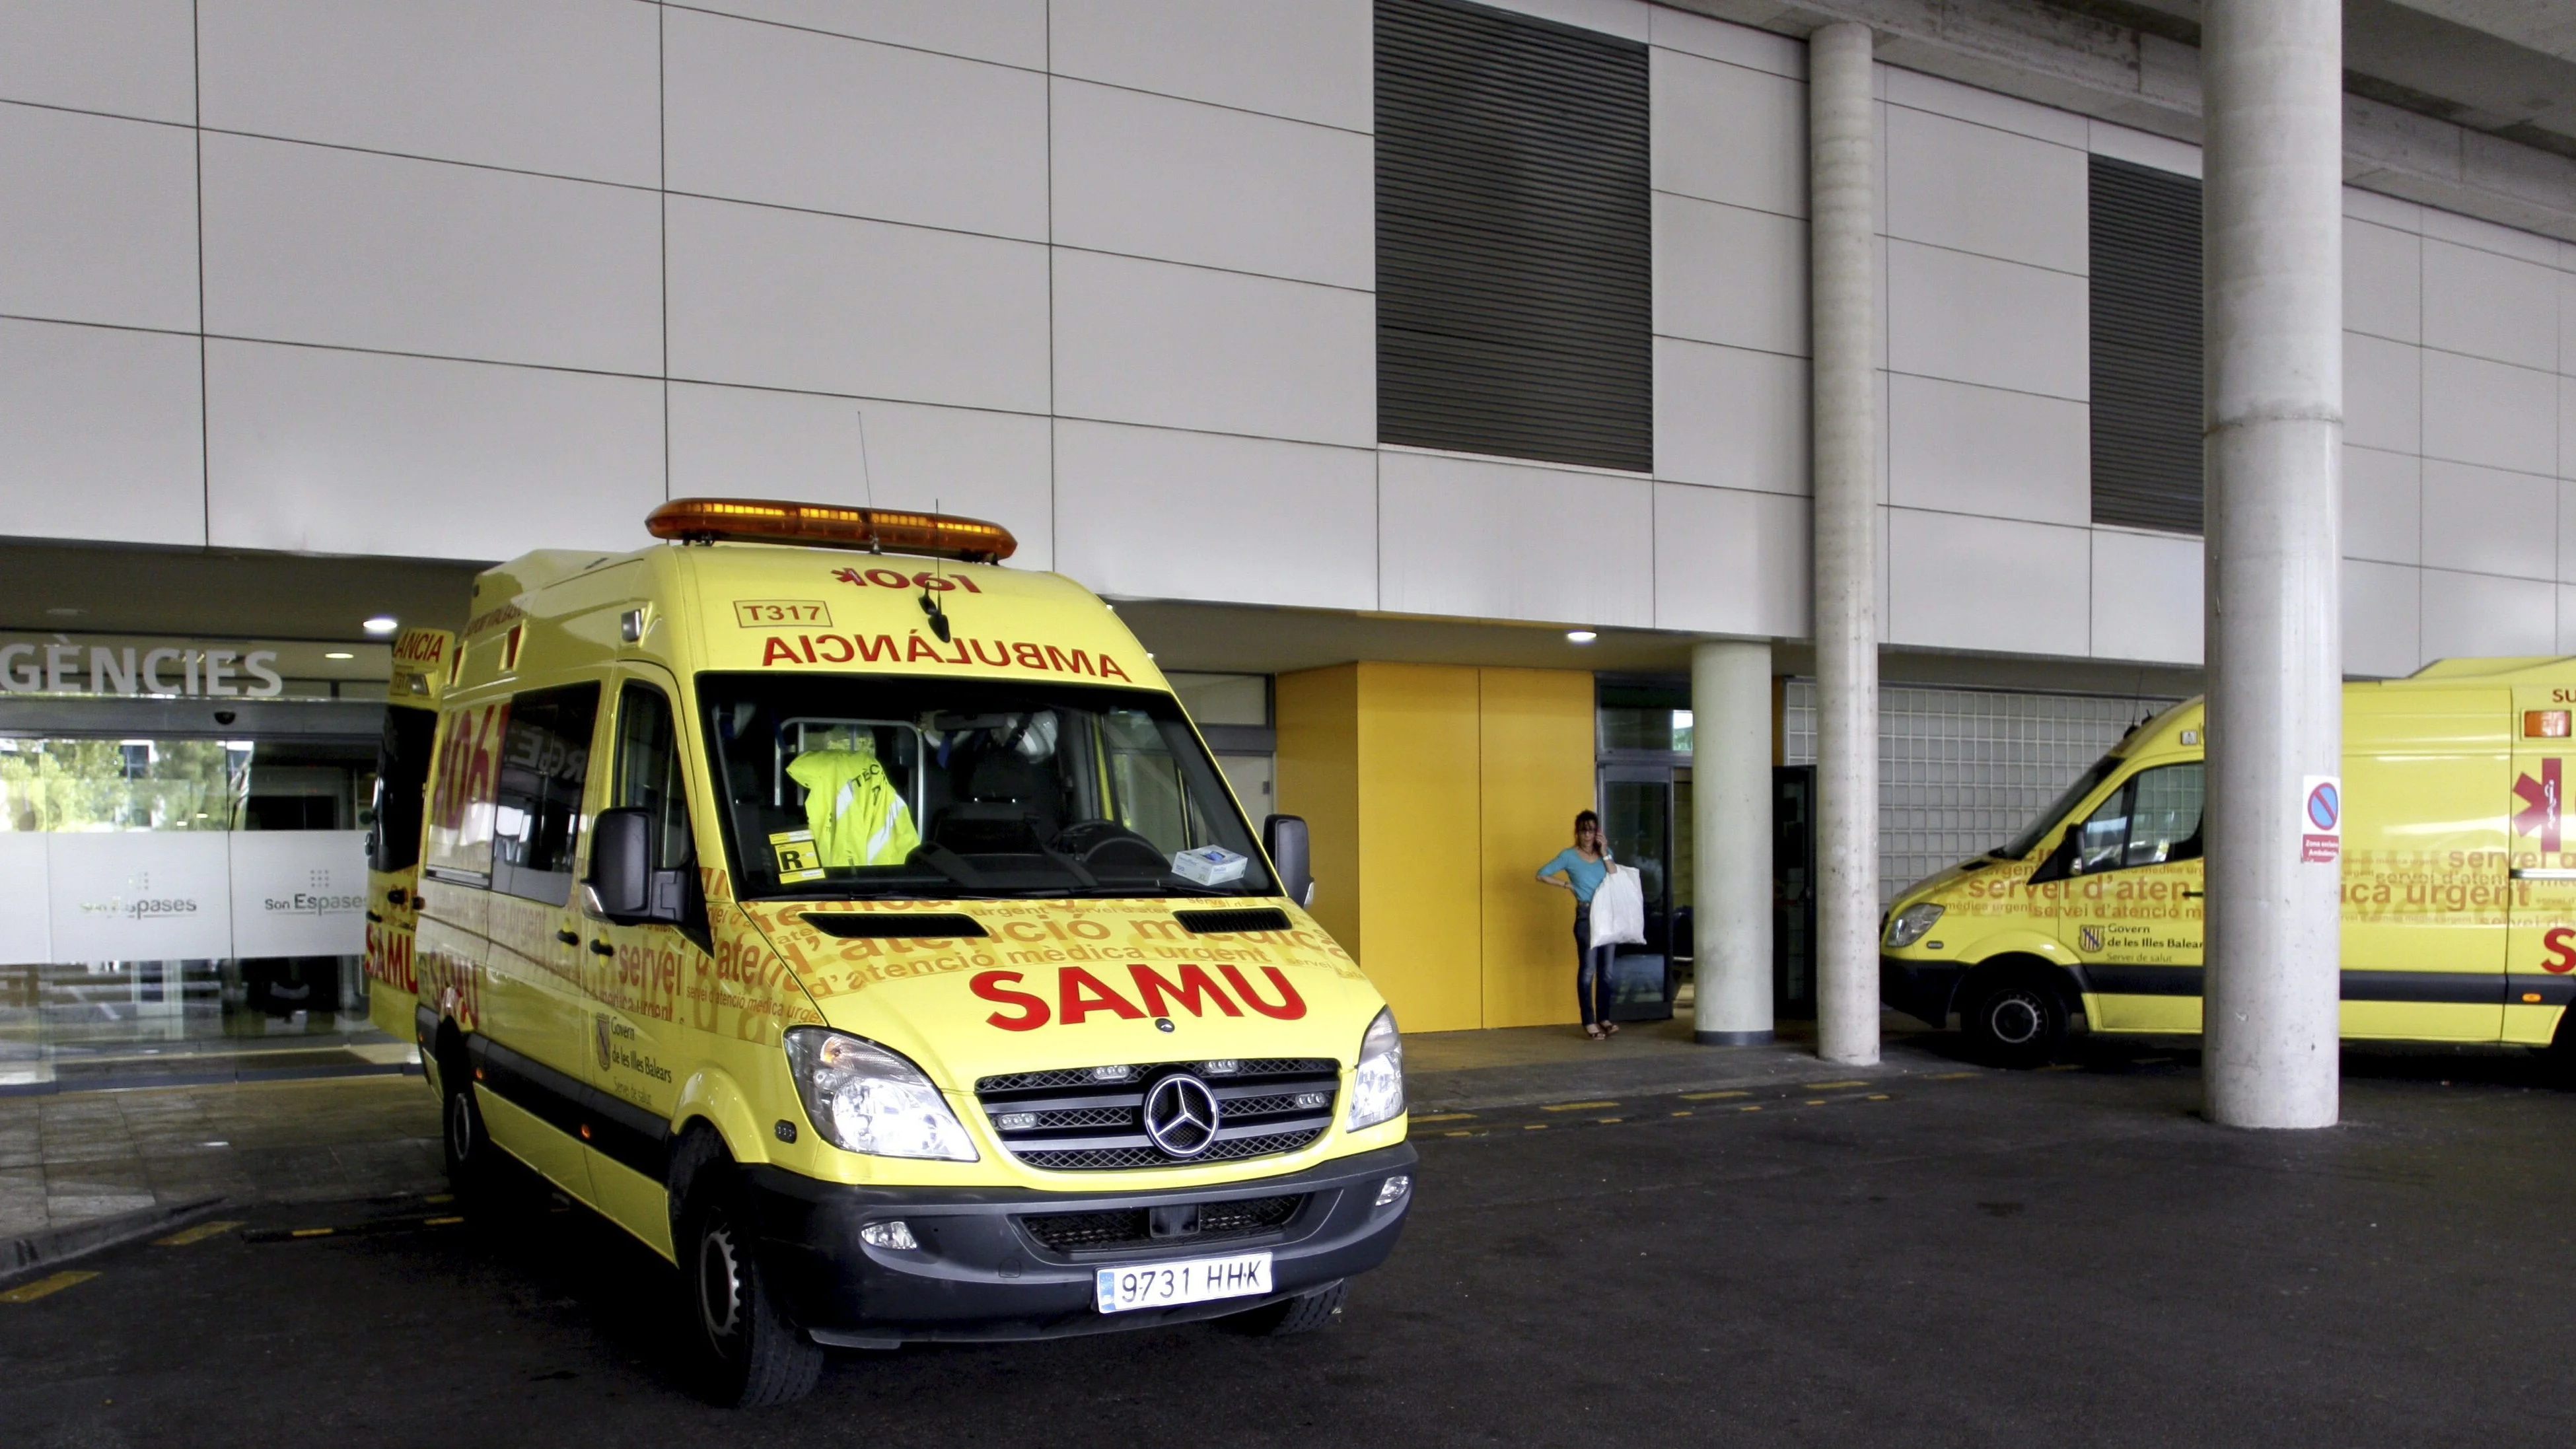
x=175, y=669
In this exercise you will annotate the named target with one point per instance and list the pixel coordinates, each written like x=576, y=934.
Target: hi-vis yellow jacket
x=856, y=814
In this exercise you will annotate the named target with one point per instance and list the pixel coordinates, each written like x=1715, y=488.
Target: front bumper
x=1920, y=989
x=980, y=1275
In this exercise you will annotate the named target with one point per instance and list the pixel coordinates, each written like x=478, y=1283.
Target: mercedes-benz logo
x=1180, y=1115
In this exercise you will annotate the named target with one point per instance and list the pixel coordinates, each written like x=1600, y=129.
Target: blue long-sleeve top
x=1586, y=875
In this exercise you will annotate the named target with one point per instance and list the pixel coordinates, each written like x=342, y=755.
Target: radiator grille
x=1091, y=1118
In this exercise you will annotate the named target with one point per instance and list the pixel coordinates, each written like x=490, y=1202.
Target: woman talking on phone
x=1580, y=868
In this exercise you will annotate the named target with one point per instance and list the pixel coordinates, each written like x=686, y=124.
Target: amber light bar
x=826, y=525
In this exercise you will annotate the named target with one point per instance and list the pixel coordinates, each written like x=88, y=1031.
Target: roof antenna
x=867, y=480
x=930, y=605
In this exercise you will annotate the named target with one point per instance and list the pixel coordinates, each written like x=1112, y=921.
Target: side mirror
x=623, y=886
x=1284, y=836
x=2061, y=863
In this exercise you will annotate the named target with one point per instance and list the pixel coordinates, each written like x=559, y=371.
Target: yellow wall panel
x=1420, y=938
x=1319, y=778
x=1535, y=772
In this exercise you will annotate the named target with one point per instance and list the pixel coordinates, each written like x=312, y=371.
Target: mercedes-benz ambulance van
x=421, y=660
x=863, y=926
x=2459, y=884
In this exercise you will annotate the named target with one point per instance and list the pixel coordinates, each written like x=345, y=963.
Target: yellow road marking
x=1829, y=1086
x=439, y=1197
x=1606, y=1121
x=1446, y=1117
x=312, y=1232
x=1756, y=1107
x=1875, y=1097
x=1461, y=1132
x=197, y=1234
x=1533, y=1126
x=1815, y=1101
x=1711, y=1096
x=1952, y=1076
x=439, y=1222
x=45, y=1287
x=1683, y=1113
x=1575, y=1106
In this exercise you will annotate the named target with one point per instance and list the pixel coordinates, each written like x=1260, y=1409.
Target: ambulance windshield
x=914, y=788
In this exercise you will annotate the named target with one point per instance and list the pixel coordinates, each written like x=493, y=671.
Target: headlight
x=1911, y=923
x=1377, y=1088
x=864, y=1098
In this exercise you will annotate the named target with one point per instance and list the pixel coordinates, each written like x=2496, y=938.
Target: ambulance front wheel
x=749, y=1355
x=2014, y=1019
x=471, y=1158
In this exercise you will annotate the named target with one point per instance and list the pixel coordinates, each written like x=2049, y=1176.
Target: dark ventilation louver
x=2146, y=347
x=1220, y=923
x=1514, y=259
x=908, y=926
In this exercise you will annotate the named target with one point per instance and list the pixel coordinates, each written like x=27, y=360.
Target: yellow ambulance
x=421, y=661
x=2459, y=881
x=863, y=926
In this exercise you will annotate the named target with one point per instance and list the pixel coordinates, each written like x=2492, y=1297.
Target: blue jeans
x=1591, y=970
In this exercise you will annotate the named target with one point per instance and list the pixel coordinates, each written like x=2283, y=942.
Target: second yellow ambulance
x=2459, y=880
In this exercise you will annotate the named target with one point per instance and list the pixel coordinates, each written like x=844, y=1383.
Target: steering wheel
x=1108, y=843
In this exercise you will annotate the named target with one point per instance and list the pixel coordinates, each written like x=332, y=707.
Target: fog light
x=895, y=1235
x=1225, y=1067
x=1314, y=1099
x=1112, y=1074
x=1394, y=1190
x=1016, y=1121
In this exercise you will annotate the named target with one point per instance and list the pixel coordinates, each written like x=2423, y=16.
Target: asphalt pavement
x=1947, y=1257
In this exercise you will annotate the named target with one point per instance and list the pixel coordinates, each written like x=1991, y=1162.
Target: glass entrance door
x=1638, y=824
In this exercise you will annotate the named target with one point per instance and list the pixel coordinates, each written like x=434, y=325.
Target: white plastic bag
x=1619, y=909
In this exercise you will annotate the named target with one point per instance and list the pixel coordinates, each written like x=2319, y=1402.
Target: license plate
x=1190, y=1280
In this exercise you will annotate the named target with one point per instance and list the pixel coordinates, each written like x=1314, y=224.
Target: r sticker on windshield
x=762, y=613
x=797, y=858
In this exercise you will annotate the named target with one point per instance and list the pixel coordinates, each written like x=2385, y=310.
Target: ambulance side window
x=2151, y=819
x=648, y=775
x=536, y=814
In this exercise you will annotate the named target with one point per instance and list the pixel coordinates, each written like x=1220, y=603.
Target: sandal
x=1596, y=1033
x=1610, y=1027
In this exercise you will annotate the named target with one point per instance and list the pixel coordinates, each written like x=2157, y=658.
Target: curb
x=20, y=1257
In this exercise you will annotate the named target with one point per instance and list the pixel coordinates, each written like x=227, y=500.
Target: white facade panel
x=2383, y=505
x=2566, y=619
x=1012, y=32
x=100, y=224
x=299, y=892
x=787, y=299
x=567, y=87
x=1742, y=45
x=1186, y=347
x=2486, y=521
x=2383, y=394
x=122, y=57
x=2489, y=413
x=349, y=249
x=2372, y=206
x=787, y=117
x=1731, y=562
x=1499, y=540
x=104, y=437
x=2468, y=615
x=1981, y=450
x=1728, y=275
x=1922, y=92
x=753, y=442
x=2143, y=148
x=1727, y=134
x=2496, y=307
x=1309, y=60
x=1956, y=582
x=1182, y=181
x=139, y=895
x=2383, y=276
x=1974, y=319
x=2147, y=596
x=1977, y=189
x=2487, y=236
x=1163, y=514
x=2383, y=619
x=1730, y=418
x=460, y=459
x=1626, y=19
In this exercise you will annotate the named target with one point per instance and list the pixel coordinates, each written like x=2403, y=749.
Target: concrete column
x=1842, y=166
x=2272, y=75
x=1731, y=841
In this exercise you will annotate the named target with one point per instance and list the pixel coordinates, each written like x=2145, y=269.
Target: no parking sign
x=2321, y=823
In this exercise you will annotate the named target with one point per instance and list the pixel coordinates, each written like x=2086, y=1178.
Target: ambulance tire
x=747, y=1354
x=2558, y=1059
x=1302, y=1314
x=2013, y=1018
x=473, y=1162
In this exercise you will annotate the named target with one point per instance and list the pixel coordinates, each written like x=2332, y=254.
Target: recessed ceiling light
x=382, y=624
x=339, y=654
x=1580, y=636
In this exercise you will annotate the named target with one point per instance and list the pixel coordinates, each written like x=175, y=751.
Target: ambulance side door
x=2424, y=925
x=634, y=971
x=2540, y=969
x=2130, y=908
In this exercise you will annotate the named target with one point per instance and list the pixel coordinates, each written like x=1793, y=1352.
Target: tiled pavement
x=69, y=1158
